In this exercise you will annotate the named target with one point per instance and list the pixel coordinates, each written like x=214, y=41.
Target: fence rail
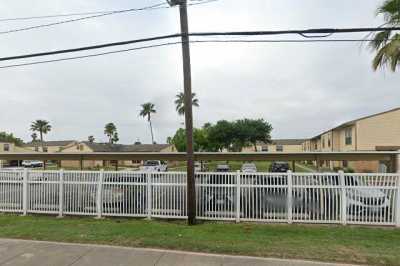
x=372, y=199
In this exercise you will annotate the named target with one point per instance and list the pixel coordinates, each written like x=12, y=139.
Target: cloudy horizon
x=301, y=89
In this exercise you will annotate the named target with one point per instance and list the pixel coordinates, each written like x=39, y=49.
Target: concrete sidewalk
x=35, y=253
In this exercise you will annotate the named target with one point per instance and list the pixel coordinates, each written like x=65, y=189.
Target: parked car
x=124, y=194
x=223, y=168
x=154, y=166
x=32, y=164
x=219, y=200
x=362, y=199
x=279, y=167
x=249, y=168
x=200, y=167
x=274, y=199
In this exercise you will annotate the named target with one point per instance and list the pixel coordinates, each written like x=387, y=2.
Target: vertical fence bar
x=61, y=194
x=397, y=206
x=25, y=192
x=237, y=196
x=99, y=200
x=149, y=195
x=289, y=197
x=343, y=201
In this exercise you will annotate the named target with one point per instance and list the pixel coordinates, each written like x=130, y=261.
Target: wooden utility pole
x=191, y=189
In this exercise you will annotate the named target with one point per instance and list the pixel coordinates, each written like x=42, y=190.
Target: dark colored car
x=219, y=199
x=279, y=167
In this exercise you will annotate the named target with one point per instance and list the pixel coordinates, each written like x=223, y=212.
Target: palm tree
x=41, y=126
x=110, y=130
x=147, y=110
x=34, y=137
x=387, y=43
x=180, y=102
x=91, y=139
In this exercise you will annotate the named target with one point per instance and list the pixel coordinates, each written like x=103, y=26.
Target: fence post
x=397, y=206
x=99, y=201
x=149, y=196
x=25, y=192
x=238, y=196
x=343, y=201
x=289, y=196
x=61, y=194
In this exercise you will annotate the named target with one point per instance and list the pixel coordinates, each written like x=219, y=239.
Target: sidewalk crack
x=80, y=257
x=158, y=260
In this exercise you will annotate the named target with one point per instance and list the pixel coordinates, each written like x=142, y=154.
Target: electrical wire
x=175, y=43
x=197, y=2
x=201, y=34
x=84, y=18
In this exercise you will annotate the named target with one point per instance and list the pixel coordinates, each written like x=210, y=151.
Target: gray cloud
x=302, y=89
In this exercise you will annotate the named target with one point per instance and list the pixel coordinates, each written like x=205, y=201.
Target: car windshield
x=151, y=163
x=281, y=164
x=249, y=166
x=222, y=168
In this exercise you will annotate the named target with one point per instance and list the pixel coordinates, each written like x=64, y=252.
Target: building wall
x=79, y=148
x=3, y=146
x=273, y=148
x=50, y=149
x=380, y=130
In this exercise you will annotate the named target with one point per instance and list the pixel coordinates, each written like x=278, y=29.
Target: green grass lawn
x=373, y=246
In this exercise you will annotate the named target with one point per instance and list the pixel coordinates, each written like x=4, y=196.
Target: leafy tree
x=110, y=130
x=180, y=102
x=115, y=138
x=221, y=135
x=147, y=110
x=9, y=137
x=200, y=142
x=91, y=139
x=250, y=131
x=387, y=43
x=41, y=126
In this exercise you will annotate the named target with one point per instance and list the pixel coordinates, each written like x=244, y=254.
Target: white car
x=32, y=164
x=154, y=166
x=249, y=168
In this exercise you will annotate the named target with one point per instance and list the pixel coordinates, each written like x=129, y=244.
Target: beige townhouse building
x=277, y=145
x=49, y=146
x=88, y=147
x=377, y=132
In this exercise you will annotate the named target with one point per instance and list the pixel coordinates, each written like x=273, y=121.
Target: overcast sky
x=301, y=89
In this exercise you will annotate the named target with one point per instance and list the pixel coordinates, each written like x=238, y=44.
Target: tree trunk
x=151, y=130
x=41, y=139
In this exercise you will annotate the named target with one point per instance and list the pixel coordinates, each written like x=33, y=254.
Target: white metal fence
x=372, y=199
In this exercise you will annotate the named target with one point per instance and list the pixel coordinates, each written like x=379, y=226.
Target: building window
x=348, y=134
x=264, y=148
x=329, y=143
x=45, y=149
x=6, y=147
x=323, y=143
x=345, y=164
x=279, y=148
x=36, y=148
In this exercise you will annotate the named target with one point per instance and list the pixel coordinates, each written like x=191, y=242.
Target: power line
x=200, y=34
x=85, y=18
x=198, y=2
x=175, y=43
